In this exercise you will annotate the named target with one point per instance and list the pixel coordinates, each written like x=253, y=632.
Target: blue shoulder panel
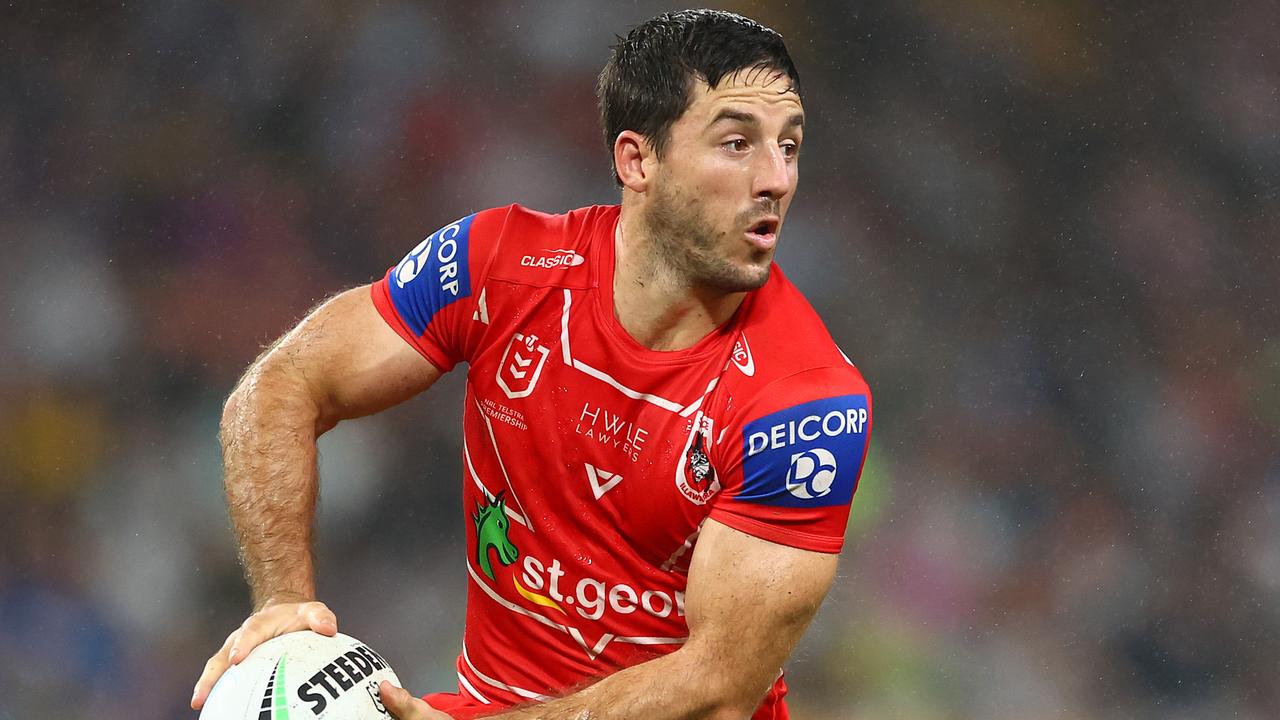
x=808, y=455
x=433, y=275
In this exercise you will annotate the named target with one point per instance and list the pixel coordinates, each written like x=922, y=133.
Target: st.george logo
x=521, y=365
x=811, y=473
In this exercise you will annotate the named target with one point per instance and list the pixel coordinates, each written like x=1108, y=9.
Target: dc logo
x=412, y=263
x=811, y=473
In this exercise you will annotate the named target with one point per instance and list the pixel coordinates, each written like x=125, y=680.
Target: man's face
x=726, y=179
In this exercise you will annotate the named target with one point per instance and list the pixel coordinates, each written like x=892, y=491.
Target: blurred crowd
x=1047, y=233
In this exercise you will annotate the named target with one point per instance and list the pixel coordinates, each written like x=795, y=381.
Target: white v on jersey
x=591, y=461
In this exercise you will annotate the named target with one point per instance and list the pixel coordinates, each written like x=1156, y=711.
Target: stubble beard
x=685, y=242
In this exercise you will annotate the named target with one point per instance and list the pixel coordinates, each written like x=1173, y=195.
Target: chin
x=745, y=279
x=760, y=277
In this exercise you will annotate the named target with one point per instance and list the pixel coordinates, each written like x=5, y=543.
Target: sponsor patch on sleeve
x=434, y=275
x=807, y=455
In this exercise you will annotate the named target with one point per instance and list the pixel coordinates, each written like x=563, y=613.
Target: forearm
x=684, y=684
x=268, y=435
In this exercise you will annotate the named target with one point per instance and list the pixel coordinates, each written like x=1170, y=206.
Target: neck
x=659, y=306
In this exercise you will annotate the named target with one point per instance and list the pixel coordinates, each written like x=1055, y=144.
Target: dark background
x=1045, y=231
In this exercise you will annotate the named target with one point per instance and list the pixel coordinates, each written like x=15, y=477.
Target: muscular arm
x=748, y=602
x=342, y=361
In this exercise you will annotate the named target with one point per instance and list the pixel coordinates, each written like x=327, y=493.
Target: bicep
x=749, y=600
x=349, y=360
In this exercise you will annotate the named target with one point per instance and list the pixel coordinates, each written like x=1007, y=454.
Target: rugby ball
x=303, y=676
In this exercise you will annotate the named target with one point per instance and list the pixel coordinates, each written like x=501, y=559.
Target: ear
x=634, y=158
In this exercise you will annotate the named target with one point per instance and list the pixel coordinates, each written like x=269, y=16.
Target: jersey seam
x=487, y=270
x=759, y=393
x=828, y=543
x=391, y=316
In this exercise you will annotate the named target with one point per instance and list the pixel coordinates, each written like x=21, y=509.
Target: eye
x=737, y=145
x=790, y=149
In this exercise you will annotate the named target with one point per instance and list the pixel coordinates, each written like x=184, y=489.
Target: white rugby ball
x=302, y=676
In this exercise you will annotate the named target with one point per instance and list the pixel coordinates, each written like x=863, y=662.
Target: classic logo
x=808, y=455
x=601, y=481
x=521, y=365
x=553, y=259
x=742, y=356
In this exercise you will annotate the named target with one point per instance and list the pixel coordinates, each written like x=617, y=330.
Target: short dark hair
x=647, y=83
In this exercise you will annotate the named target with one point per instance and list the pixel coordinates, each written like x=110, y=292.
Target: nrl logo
x=521, y=365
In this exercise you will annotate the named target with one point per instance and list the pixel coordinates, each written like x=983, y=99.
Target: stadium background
x=1046, y=232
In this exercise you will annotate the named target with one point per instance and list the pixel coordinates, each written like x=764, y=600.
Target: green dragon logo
x=491, y=532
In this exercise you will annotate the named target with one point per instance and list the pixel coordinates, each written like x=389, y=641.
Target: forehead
x=767, y=90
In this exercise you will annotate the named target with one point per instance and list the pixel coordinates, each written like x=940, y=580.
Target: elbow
x=728, y=712
x=246, y=398
x=739, y=706
x=231, y=410
x=270, y=394
x=727, y=707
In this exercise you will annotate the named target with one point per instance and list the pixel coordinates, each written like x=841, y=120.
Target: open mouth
x=764, y=233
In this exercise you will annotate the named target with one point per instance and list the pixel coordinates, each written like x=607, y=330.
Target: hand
x=271, y=621
x=404, y=706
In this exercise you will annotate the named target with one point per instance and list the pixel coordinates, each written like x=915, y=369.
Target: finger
x=251, y=634
x=213, y=669
x=402, y=704
x=269, y=622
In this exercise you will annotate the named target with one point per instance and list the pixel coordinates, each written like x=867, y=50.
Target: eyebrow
x=747, y=118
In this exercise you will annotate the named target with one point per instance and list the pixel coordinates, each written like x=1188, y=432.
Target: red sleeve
x=790, y=459
x=434, y=297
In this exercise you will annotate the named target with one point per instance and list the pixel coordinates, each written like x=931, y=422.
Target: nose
x=773, y=174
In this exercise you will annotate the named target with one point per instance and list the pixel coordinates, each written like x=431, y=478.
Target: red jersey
x=591, y=461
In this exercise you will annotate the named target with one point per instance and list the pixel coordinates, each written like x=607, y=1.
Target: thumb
x=397, y=700
x=322, y=620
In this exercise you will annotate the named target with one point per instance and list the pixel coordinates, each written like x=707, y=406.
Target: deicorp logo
x=433, y=275
x=808, y=455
